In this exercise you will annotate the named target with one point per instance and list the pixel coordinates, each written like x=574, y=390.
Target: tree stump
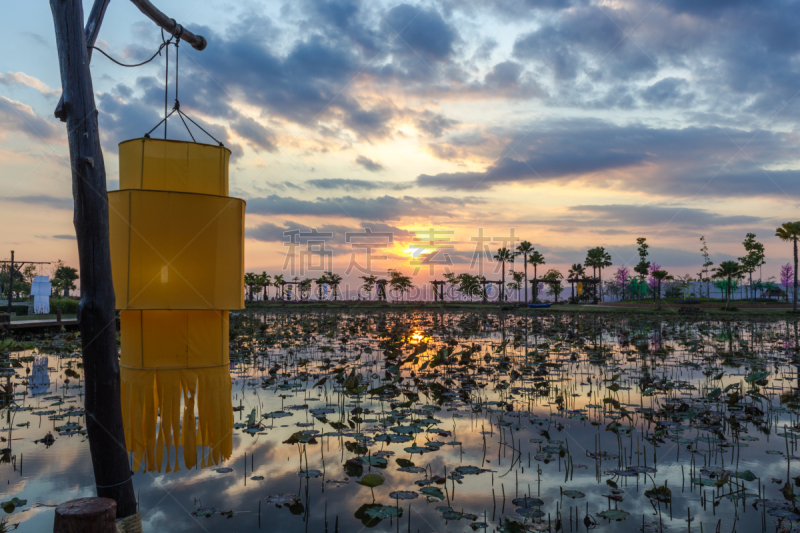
x=86, y=515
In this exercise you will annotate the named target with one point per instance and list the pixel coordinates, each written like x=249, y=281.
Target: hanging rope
x=158, y=52
x=176, y=32
x=176, y=108
x=177, y=102
x=166, y=86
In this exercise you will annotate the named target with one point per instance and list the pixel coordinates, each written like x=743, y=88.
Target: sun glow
x=418, y=337
x=417, y=251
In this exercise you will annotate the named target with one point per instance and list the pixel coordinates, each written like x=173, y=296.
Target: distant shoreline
x=778, y=310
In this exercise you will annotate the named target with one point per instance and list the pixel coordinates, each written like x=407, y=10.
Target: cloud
x=379, y=209
x=659, y=215
x=123, y=115
x=679, y=162
x=44, y=200
x=669, y=91
x=564, y=161
x=434, y=123
x=577, y=40
x=358, y=185
x=16, y=117
x=369, y=164
x=259, y=137
x=423, y=31
x=305, y=86
x=11, y=79
x=512, y=11
x=67, y=237
x=333, y=234
x=709, y=8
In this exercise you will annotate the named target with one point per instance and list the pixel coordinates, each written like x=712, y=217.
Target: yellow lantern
x=580, y=288
x=177, y=257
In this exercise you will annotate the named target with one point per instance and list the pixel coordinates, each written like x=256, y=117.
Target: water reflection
x=472, y=421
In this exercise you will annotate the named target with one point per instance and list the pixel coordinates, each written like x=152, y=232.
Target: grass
x=665, y=310
x=720, y=301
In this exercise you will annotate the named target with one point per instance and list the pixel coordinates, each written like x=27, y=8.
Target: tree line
x=646, y=280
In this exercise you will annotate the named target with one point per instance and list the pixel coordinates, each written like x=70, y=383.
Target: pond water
x=456, y=421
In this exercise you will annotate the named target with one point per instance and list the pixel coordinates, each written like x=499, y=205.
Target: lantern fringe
x=151, y=404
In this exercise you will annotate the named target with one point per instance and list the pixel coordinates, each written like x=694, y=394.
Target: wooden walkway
x=36, y=324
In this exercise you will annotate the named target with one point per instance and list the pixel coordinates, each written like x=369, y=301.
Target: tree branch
x=198, y=42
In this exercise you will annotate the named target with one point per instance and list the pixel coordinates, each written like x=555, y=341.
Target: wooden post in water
x=86, y=515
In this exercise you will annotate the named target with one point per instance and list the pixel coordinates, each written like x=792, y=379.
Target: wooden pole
x=10, y=282
x=92, y=29
x=86, y=515
x=96, y=312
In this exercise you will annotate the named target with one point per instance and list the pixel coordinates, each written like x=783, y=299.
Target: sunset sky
x=576, y=123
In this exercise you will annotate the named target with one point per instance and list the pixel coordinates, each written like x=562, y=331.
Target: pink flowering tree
x=622, y=277
x=787, y=278
x=651, y=281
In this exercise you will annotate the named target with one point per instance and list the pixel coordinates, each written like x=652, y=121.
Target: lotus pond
x=454, y=421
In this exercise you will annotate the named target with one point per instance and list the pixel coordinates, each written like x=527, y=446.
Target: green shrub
x=19, y=309
x=673, y=292
x=68, y=306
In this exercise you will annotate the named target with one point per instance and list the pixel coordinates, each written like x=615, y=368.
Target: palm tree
x=536, y=259
x=603, y=261
x=63, y=277
x=305, y=288
x=369, y=284
x=598, y=258
x=278, y=283
x=334, y=280
x=790, y=231
x=728, y=270
x=266, y=281
x=576, y=271
x=525, y=249
x=320, y=281
x=503, y=255
x=659, y=275
x=251, y=280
